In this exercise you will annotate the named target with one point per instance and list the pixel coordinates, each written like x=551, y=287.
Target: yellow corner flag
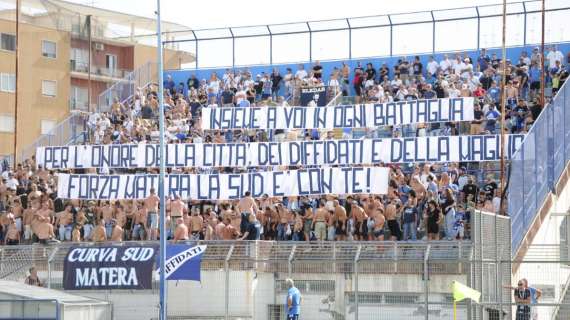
x=461, y=292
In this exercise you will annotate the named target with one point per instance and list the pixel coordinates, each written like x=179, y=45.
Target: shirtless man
x=35, y=193
x=265, y=202
x=107, y=213
x=219, y=230
x=283, y=214
x=378, y=229
x=270, y=226
x=130, y=208
x=28, y=215
x=46, y=212
x=181, y=231
x=209, y=234
x=44, y=231
x=177, y=210
x=360, y=217
x=76, y=233
x=319, y=223
x=117, y=232
x=196, y=224
x=120, y=218
x=18, y=212
x=230, y=233
x=99, y=232
x=40, y=219
x=393, y=224
x=234, y=217
x=151, y=205
x=340, y=219
x=246, y=206
x=12, y=236
x=64, y=220
x=139, y=223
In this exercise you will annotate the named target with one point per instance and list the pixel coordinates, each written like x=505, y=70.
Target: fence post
x=50, y=259
x=426, y=278
x=356, y=258
x=227, y=283
x=500, y=281
x=395, y=244
x=290, y=261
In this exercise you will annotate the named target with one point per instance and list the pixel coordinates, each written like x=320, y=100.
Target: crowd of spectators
x=425, y=201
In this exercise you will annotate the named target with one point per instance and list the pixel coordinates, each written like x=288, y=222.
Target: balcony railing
x=83, y=67
x=78, y=105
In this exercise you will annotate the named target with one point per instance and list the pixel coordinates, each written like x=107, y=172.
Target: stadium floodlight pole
x=542, y=69
x=503, y=105
x=15, y=160
x=162, y=255
x=502, y=188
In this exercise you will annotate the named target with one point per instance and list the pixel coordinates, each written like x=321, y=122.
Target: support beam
x=391, y=36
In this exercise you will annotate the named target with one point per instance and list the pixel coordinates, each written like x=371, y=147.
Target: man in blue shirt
x=169, y=84
x=293, y=301
x=483, y=60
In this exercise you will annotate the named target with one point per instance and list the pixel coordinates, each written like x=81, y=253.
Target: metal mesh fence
x=338, y=280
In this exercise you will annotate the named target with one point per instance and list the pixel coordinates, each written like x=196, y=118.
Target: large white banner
x=370, y=180
x=292, y=153
x=349, y=116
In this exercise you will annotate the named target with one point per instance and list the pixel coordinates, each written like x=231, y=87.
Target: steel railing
x=126, y=88
x=71, y=130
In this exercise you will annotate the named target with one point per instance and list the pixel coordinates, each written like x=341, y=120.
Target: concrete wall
x=251, y=293
x=144, y=54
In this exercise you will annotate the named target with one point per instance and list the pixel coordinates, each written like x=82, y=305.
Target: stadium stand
x=425, y=201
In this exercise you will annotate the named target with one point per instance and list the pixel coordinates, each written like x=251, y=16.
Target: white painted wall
x=251, y=293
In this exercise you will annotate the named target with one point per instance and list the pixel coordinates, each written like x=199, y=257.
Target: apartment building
x=53, y=75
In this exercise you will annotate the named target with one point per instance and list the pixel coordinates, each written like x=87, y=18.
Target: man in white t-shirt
x=301, y=72
x=467, y=68
x=445, y=64
x=553, y=56
x=458, y=66
x=11, y=182
x=432, y=67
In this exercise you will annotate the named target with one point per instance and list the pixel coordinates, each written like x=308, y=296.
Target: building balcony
x=80, y=70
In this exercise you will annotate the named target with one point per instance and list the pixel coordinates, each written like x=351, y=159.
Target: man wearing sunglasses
x=522, y=299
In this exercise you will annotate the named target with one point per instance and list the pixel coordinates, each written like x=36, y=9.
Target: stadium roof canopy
x=68, y=16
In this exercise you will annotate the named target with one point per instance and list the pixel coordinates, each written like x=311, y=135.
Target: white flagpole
x=162, y=256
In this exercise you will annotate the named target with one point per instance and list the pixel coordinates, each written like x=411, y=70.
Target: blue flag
x=183, y=262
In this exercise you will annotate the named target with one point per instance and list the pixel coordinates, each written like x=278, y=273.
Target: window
x=308, y=286
x=47, y=126
x=49, y=49
x=6, y=123
x=8, y=42
x=79, y=60
x=7, y=82
x=111, y=62
x=49, y=88
x=78, y=98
